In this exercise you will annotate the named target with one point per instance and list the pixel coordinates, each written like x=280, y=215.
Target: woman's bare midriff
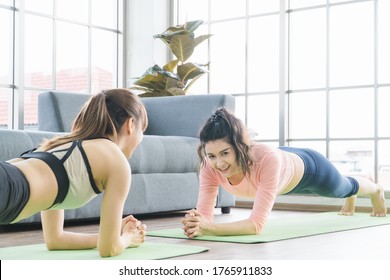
x=43, y=186
x=298, y=172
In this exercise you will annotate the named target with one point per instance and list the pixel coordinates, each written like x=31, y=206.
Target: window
x=63, y=45
x=263, y=67
x=305, y=73
x=351, y=44
x=307, y=48
x=351, y=113
x=5, y=96
x=235, y=59
x=6, y=62
x=302, y=105
x=383, y=43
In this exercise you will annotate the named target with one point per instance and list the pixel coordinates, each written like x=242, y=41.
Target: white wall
x=145, y=19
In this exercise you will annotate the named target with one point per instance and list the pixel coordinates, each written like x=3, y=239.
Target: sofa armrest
x=183, y=115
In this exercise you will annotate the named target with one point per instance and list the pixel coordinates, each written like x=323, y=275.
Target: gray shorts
x=14, y=192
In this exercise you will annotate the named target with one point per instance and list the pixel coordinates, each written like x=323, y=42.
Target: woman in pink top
x=244, y=168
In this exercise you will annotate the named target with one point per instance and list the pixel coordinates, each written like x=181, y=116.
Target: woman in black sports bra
x=104, y=135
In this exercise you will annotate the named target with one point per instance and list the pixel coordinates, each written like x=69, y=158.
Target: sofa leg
x=225, y=210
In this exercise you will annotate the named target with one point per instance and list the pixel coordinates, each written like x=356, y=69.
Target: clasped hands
x=135, y=229
x=193, y=223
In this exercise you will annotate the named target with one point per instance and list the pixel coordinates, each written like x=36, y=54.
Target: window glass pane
x=199, y=87
x=351, y=44
x=41, y=6
x=5, y=95
x=383, y=112
x=6, y=46
x=104, y=13
x=223, y=9
x=104, y=60
x=263, y=116
x=352, y=113
x=73, y=9
x=6, y=2
x=263, y=54
x=263, y=6
x=72, y=57
x=294, y=4
x=193, y=10
x=384, y=163
x=239, y=110
x=353, y=157
x=319, y=146
x=307, y=49
x=30, y=110
x=38, y=53
x=307, y=115
x=383, y=41
x=227, y=68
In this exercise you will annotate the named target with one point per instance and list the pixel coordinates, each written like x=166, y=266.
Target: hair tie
x=214, y=117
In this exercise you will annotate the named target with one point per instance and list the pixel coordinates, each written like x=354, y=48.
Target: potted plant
x=177, y=76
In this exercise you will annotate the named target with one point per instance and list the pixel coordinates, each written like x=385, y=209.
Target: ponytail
x=103, y=115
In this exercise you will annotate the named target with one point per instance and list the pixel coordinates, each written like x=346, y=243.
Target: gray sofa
x=165, y=164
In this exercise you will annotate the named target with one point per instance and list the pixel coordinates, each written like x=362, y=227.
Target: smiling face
x=222, y=158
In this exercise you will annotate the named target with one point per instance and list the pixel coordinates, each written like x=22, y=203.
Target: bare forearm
x=72, y=241
x=243, y=227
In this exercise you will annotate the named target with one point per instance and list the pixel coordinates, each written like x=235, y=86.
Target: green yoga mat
x=147, y=251
x=291, y=227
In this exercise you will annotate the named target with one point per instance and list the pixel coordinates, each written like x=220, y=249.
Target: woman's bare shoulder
x=105, y=156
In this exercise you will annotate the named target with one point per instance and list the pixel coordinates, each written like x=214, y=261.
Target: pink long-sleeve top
x=272, y=171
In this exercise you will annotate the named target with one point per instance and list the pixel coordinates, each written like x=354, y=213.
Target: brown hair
x=103, y=115
x=224, y=125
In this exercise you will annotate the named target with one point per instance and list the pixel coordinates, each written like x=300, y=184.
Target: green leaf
x=139, y=88
x=155, y=94
x=182, y=46
x=151, y=82
x=201, y=38
x=187, y=28
x=173, y=83
x=169, y=33
x=171, y=66
x=175, y=91
x=189, y=71
x=191, y=26
x=156, y=70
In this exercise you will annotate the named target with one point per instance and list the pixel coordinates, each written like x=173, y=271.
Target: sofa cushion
x=165, y=154
x=183, y=115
